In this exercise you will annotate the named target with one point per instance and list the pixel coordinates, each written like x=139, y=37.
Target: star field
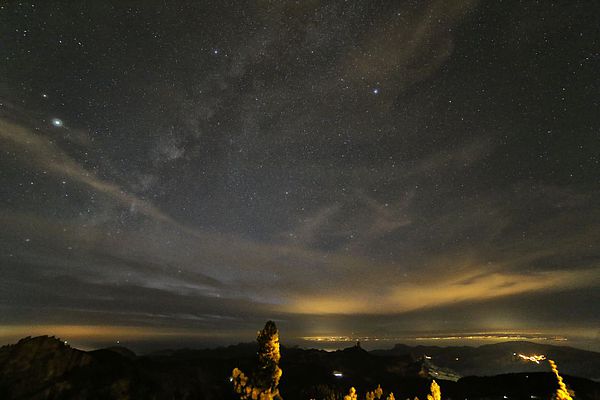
x=378, y=168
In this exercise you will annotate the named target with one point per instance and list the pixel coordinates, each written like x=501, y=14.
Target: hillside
x=494, y=359
x=47, y=368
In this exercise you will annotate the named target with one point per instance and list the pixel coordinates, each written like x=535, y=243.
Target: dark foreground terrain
x=46, y=368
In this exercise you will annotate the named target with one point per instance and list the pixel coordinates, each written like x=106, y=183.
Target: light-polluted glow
x=461, y=337
x=450, y=289
x=78, y=335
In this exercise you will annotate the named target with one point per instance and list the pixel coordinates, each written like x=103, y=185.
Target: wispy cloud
x=39, y=151
x=409, y=44
x=359, y=219
x=299, y=274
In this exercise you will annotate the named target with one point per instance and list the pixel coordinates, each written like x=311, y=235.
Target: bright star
x=376, y=91
x=57, y=122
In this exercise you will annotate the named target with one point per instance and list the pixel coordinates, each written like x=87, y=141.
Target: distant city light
x=337, y=374
x=534, y=358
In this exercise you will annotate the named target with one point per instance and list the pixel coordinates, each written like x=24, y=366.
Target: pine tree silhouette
x=262, y=385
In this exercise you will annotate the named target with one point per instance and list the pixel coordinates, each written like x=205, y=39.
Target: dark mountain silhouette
x=35, y=367
x=47, y=368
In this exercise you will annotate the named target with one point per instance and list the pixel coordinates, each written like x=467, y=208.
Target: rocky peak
x=34, y=362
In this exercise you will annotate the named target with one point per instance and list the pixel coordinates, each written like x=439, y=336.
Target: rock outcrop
x=37, y=367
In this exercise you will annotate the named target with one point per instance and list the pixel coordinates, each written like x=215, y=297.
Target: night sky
x=190, y=169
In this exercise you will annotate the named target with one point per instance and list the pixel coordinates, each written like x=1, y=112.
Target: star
x=57, y=122
x=376, y=91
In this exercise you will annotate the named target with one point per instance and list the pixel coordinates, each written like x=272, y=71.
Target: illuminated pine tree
x=390, y=396
x=351, y=394
x=240, y=381
x=436, y=393
x=562, y=393
x=375, y=394
x=268, y=373
x=263, y=384
x=378, y=392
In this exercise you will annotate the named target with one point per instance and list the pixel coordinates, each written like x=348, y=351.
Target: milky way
x=345, y=168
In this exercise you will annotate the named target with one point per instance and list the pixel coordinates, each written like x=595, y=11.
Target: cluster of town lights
x=474, y=336
x=534, y=358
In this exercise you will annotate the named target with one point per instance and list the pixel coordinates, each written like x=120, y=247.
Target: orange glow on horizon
x=101, y=333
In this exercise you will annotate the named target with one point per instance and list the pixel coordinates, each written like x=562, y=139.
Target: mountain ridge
x=48, y=368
